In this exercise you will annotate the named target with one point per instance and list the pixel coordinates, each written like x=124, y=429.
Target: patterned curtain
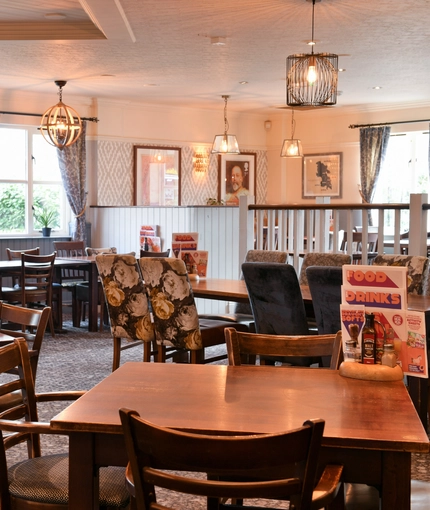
x=373, y=147
x=73, y=168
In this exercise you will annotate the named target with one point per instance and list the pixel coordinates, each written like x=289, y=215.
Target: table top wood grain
x=358, y=414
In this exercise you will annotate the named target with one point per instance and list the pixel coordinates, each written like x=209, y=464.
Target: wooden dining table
x=235, y=290
x=371, y=427
x=85, y=263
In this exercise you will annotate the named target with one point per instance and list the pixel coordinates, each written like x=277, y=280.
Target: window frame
x=29, y=183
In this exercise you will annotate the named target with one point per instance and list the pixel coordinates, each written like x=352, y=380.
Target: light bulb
x=312, y=75
x=224, y=144
x=292, y=150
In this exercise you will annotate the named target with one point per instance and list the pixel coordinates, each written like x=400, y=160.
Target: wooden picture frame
x=322, y=175
x=157, y=175
x=230, y=187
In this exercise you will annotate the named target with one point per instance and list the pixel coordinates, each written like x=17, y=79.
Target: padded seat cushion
x=46, y=479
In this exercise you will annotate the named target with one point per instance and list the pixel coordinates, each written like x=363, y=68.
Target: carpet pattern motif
x=78, y=360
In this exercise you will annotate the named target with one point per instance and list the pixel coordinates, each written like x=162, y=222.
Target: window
x=29, y=176
x=405, y=171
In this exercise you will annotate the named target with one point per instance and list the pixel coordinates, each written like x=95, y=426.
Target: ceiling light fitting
x=61, y=126
x=312, y=78
x=225, y=144
x=292, y=148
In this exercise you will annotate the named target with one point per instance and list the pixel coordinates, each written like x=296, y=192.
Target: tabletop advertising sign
x=185, y=247
x=382, y=291
x=149, y=239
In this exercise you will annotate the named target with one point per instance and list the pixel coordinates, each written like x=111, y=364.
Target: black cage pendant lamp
x=225, y=143
x=312, y=78
x=292, y=148
x=61, y=126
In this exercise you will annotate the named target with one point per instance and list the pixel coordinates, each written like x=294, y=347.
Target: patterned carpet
x=78, y=360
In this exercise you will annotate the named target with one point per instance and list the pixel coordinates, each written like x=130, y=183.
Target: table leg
x=396, y=481
x=83, y=478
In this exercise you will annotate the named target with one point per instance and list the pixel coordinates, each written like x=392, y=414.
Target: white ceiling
x=160, y=51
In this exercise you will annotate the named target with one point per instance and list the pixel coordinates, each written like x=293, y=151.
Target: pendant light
x=225, y=144
x=312, y=78
x=292, y=148
x=61, y=126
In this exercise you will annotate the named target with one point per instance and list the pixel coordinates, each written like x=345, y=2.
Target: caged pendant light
x=292, y=148
x=225, y=144
x=61, y=126
x=312, y=78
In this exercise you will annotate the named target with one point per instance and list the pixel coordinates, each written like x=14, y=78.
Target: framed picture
x=322, y=175
x=157, y=175
x=236, y=176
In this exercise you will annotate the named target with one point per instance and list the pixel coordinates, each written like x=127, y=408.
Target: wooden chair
x=176, y=320
x=35, y=283
x=242, y=346
x=33, y=325
x=16, y=255
x=70, y=277
x=144, y=253
x=127, y=304
x=357, y=239
x=28, y=323
x=259, y=466
x=40, y=481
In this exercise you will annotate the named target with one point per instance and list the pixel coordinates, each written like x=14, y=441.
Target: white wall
x=324, y=131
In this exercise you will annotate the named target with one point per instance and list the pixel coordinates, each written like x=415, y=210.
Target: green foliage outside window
x=12, y=207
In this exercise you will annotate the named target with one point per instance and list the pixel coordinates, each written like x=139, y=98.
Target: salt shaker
x=389, y=357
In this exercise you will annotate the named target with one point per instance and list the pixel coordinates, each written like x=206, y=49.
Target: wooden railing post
x=417, y=224
x=246, y=228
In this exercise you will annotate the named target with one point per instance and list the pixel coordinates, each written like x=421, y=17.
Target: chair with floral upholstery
x=176, y=321
x=127, y=304
x=83, y=291
x=322, y=259
x=418, y=270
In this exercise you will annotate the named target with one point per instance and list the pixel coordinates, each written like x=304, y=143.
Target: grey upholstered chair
x=242, y=311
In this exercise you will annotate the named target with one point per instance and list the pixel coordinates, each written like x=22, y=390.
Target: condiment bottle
x=389, y=357
x=369, y=340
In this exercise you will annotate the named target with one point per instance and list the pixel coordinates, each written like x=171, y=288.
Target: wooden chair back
x=71, y=249
x=31, y=322
x=16, y=255
x=288, y=475
x=144, y=253
x=242, y=346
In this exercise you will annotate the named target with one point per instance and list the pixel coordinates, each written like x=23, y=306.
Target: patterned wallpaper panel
x=115, y=175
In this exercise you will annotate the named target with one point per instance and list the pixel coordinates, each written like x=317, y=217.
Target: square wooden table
x=371, y=427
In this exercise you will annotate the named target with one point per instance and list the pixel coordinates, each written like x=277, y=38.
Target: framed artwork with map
x=322, y=175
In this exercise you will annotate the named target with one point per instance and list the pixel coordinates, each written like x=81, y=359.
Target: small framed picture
x=236, y=177
x=322, y=175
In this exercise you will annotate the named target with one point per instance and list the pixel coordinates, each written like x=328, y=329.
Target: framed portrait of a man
x=236, y=177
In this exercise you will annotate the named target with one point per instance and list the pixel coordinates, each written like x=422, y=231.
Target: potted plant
x=45, y=217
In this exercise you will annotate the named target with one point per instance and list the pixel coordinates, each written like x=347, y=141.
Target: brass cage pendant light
x=61, y=125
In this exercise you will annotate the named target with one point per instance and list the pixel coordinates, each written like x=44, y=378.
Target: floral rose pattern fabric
x=417, y=270
x=175, y=313
x=125, y=296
